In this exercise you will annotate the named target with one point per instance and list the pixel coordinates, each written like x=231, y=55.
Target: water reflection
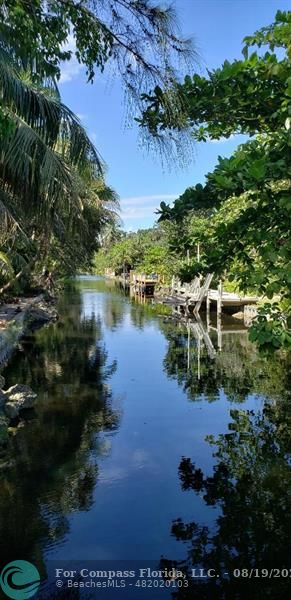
x=238, y=369
x=148, y=485
x=59, y=445
x=249, y=484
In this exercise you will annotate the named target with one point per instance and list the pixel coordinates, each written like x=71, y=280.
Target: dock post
x=208, y=302
x=219, y=298
x=219, y=332
x=173, y=284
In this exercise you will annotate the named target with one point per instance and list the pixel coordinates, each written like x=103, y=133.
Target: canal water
x=147, y=450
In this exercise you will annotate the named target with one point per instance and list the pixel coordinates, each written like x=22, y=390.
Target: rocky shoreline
x=12, y=402
x=17, y=319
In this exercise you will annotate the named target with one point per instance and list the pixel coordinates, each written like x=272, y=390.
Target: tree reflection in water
x=249, y=486
x=66, y=365
x=249, y=483
x=54, y=458
x=238, y=370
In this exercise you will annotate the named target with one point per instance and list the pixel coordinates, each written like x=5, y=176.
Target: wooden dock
x=191, y=296
x=143, y=284
x=228, y=299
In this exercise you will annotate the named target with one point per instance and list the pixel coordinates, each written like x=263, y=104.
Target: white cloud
x=137, y=208
x=145, y=200
x=138, y=212
x=70, y=69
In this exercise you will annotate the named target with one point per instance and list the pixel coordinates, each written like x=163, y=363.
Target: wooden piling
x=219, y=298
x=208, y=303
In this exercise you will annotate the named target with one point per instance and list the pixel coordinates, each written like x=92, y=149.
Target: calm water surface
x=144, y=448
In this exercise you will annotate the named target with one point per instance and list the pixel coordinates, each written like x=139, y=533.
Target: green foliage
x=146, y=251
x=270, y=329
x=155, y=260
x=241, y=215
x=246, y=96
x=53, y=196
x=246, y=239
x=43, y=132
x=6, y=268
x=139, y=38
x=6, y=125
x=194, y=198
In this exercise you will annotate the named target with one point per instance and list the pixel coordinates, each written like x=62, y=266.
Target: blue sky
x=217, y=27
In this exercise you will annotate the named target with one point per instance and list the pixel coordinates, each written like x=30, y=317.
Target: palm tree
x=42, y=143
x=100, y=208
x=51, y=175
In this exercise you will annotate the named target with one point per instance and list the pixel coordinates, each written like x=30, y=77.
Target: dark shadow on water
x=52, y=462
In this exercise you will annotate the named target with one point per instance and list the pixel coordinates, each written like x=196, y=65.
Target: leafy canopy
x=241, y=215
x=140, y=39
x=246, y=96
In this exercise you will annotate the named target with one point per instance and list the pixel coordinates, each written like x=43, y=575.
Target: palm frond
x=31, y=168
x=6, y=268
x=46, y=114
x=10, y=217
x=53, y=196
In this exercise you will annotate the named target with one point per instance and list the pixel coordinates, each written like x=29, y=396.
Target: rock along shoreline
x=17, y=319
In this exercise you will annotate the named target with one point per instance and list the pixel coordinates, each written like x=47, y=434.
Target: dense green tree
x=251, y=95
x=52, y=190
x=246, y=199
x=138, y=38
x=146, y=250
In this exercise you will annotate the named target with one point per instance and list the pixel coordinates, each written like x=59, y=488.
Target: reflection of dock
x=201, y=331
x=222, y=328
x=201, y=335
x=197, y=329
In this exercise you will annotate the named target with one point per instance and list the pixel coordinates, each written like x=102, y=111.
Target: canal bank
x=17, y=319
